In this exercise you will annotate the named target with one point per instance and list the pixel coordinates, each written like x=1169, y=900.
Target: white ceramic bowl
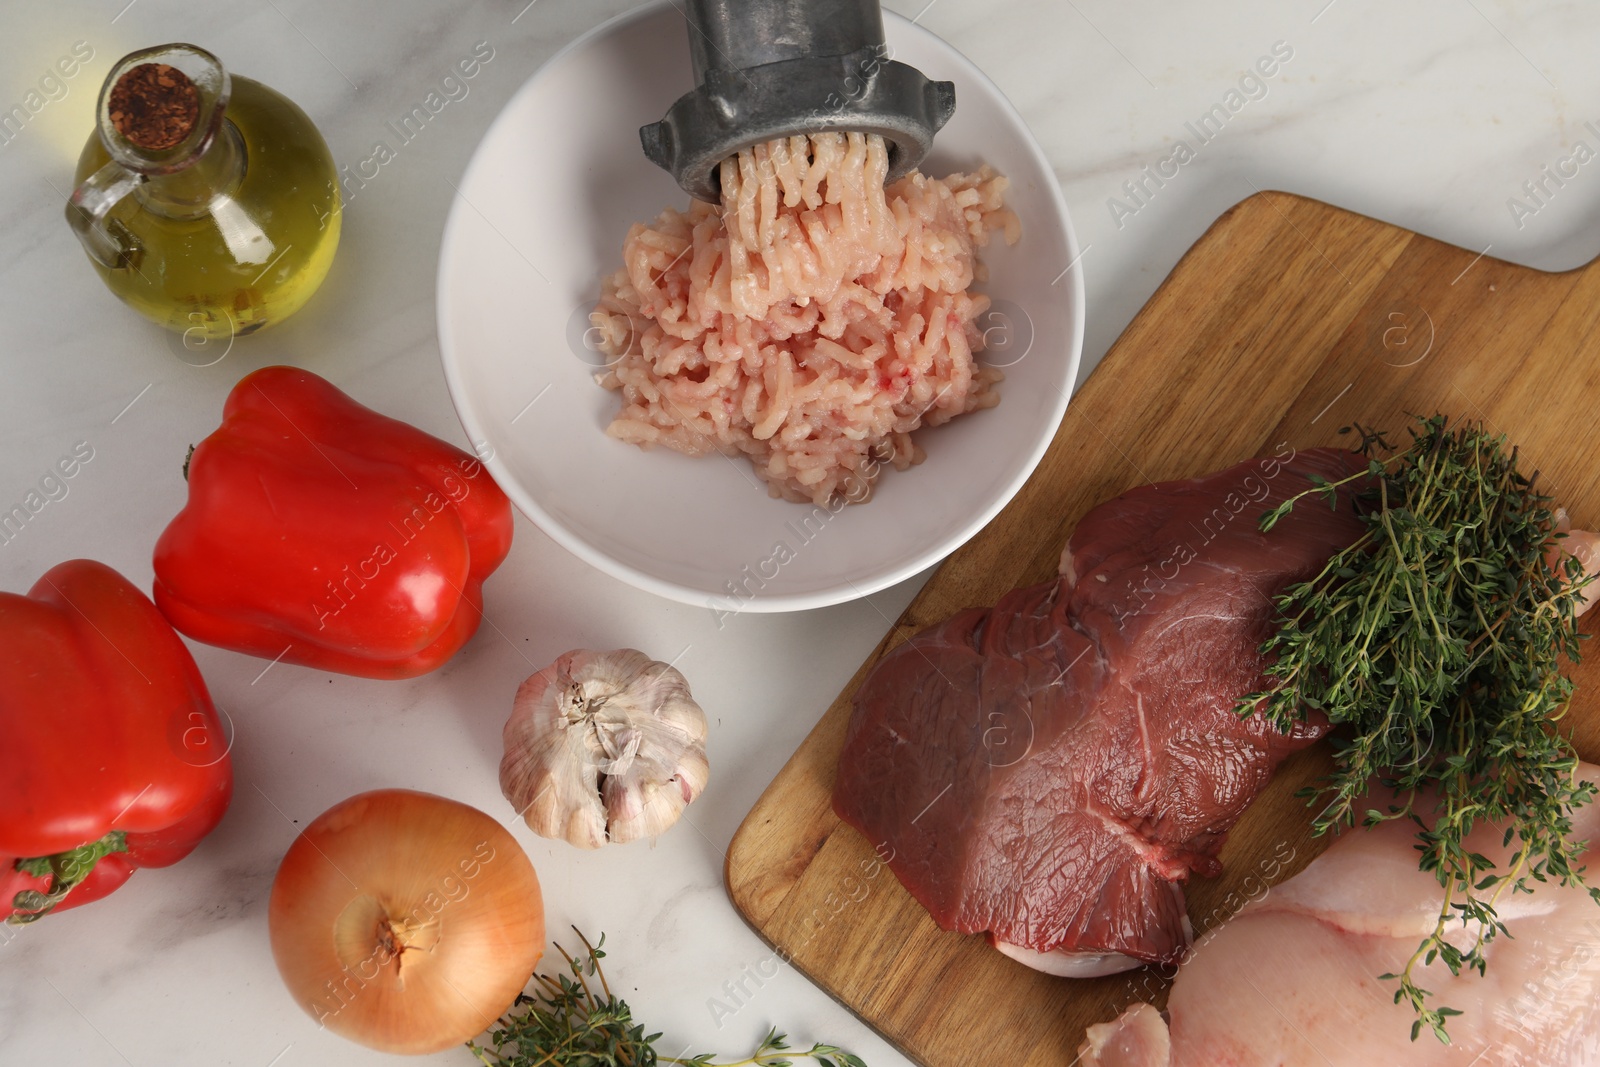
x=542, y=211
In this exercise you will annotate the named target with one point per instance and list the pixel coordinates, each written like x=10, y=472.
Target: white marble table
x=1432, y=116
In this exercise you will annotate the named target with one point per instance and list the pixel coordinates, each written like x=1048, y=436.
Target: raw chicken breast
x=1293, y=978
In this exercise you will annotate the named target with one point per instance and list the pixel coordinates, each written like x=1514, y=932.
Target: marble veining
x=1436, y=117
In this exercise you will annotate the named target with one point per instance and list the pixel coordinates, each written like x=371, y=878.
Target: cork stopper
x=154, y=106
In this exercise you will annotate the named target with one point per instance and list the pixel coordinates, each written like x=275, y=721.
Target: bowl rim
x=836, y=593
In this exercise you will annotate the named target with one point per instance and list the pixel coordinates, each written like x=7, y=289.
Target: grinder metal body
x=766, y=69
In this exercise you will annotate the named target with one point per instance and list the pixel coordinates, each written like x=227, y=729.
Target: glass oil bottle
x=207, y=202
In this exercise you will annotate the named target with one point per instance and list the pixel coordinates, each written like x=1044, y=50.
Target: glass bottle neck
x=190, y=192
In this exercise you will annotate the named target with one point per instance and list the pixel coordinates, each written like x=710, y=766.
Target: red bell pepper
x=321, y=533
x=113, y=757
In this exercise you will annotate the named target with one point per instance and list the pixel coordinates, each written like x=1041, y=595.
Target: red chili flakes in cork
x=155, y=106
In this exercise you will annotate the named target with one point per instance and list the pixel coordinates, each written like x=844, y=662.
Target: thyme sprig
x=1435, y=644
x=566, y=1023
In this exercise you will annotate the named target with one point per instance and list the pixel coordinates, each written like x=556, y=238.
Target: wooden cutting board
x=1288, y=319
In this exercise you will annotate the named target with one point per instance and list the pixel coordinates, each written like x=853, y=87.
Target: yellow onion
x=405, y=921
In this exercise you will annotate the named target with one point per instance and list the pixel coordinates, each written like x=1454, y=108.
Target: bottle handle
x=89, y=211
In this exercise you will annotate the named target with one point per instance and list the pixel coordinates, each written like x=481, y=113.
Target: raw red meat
x=1048, y=770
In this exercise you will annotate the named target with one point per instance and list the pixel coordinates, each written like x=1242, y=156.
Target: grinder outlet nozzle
x=766, y=69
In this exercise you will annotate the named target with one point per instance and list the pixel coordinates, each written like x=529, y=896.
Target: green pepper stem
x=66, y=870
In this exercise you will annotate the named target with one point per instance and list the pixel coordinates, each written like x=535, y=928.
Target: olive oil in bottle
x=207, y=202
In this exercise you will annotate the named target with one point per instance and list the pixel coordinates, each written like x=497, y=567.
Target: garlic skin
x=604, y=746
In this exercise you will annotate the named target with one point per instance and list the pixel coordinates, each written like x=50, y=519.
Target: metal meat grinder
x=765, y=69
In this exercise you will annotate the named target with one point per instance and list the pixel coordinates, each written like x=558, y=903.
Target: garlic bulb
x=604, y=746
